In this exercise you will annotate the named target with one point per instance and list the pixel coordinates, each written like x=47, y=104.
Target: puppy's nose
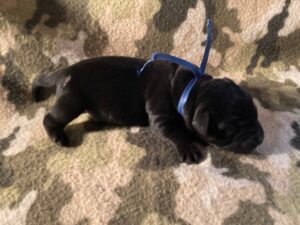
x=259, y=135
x=259, y=139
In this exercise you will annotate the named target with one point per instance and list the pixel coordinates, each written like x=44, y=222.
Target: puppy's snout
x=250, y=144
x=247, y=140
x=254, y=140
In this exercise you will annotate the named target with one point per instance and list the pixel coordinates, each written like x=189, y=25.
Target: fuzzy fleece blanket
x=128, y=176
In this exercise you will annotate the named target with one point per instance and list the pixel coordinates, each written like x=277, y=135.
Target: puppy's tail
x=43, y=83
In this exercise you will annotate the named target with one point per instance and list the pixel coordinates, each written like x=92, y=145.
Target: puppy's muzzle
x=251, y=143
x=248, y=142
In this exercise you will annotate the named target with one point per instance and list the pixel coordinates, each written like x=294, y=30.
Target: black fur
x=217, y=111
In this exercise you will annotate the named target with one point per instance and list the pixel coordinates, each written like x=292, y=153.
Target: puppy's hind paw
x=36, y=93
x=60, y=139
x=63, y=142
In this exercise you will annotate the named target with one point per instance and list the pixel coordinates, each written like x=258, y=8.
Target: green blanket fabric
x=128, y=176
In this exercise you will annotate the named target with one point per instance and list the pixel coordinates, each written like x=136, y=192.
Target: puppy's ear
x=200, y=121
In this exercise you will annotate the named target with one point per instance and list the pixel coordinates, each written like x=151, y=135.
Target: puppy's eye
x=221, y=126
x=229, y=129
x=228, y=124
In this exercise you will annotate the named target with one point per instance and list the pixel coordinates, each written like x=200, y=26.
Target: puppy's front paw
x=190, y=154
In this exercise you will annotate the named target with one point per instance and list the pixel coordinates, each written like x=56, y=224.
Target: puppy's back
x=110, y=86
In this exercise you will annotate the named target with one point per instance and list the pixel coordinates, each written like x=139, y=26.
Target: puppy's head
x=225, y=115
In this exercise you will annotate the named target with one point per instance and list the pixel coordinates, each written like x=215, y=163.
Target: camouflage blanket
x=128, y=176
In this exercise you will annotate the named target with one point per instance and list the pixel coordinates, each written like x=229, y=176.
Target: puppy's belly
x=119, y=117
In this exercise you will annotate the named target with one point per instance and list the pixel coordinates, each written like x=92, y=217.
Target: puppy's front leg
x=168, y=123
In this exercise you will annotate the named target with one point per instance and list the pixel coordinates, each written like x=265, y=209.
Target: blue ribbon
x=197, y=71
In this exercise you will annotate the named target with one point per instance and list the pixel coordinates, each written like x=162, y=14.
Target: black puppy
x=217, y=111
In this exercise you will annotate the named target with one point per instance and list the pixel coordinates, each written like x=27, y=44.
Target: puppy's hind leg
x=67, y=107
